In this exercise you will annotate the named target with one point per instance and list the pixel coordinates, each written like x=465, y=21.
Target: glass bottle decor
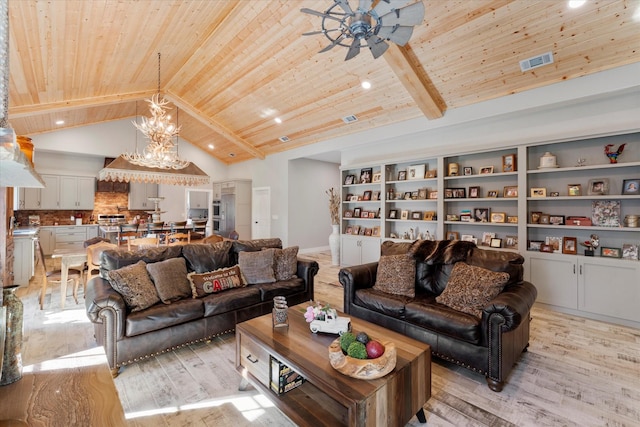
x=280, y=312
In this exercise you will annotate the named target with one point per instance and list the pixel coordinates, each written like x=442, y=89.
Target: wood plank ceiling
x=233, y=66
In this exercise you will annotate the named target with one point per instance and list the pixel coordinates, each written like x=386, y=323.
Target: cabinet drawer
x=76, y=236
x=255, y=359
x=69, y=245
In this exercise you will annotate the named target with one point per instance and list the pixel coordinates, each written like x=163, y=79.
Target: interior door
x=261, y=213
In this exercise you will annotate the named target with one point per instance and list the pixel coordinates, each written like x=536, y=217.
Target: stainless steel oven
x=216, y=208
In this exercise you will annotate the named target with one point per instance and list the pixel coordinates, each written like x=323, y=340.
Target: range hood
x=15, y=168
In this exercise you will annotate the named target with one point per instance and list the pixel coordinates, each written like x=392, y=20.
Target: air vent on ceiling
x=536, y=61
x=284, y=138
x=232, y=154
x=350, y=119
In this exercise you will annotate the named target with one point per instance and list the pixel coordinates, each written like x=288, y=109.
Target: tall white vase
x=334, y=245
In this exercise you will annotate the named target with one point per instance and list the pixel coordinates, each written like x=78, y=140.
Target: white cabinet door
x=86, y=192
x=50, y=194
x=198, y=200
x=23, y=262
x=139, y=194
x=555, y=278
x=68, y=192
x=47, y=240
x=370, y=250
x=92, y=232
x=31, y=198
x=356, y=250
x=217, y=191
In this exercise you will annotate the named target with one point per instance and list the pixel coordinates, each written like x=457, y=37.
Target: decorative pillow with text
x=203, y=284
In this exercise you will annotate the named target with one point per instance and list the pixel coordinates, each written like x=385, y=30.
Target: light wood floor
x=577, y=372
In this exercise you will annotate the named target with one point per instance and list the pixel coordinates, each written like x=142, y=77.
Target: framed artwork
x=432, y=195
x=534, y=245
x=368, y=231
x=481, y=214
x=414, y=195
x=404, y=214
x=357, y=212
x=605, y=213
x=416, y=171
x=376, y=231
x=422, y=193
x=402, y=175
x=416, y=215
x=377, y=177
x=348, y=213
x=511, y=191
x=611, y=252
x=355, y=230
x=458, y=193
x=348, y=230
x=512, y=219
x=509, y=163
x=431, y=173
x=555, y=242
x=486, y=238
x=495, y=243
x=486, y=170
x=348, y=197
x=361, y=231
x=492, y=193
x=569, y=245
x=465, y=217
x=498, y=217
x=630, y=251
x=429, y=216
x=535, y=217
x=365, y=175
x=556, y=219
x=511, y=242
x=353, y=198
x=546, y=248
x=631, y=186
x=467, y=238
x=453, y=217
x=452, y=235
x=407, y=195
x=554, y=194
x=467, y=170
x=448, y=193
x=574, y=190
x=538, y=192
x=393, y=214
x=349, y=179
x=544, y=218
x=598, y=186
x=375, y=195
x=474, y=192
x=453, y=169
x=366, y=195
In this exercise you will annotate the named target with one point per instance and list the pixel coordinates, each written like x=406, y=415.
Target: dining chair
x=143, y=242
x=93, y=258
x=55, y=276
x=178, y=226
x=178, y=238
x=214, y=238
x=126, y=232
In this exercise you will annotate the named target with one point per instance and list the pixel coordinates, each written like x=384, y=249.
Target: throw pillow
x=203, y=284
x=207, y=257
x=471, y=288
x=396, y=275
x=257, y=267
x=170, y=278
x=285, y=263
x=135, y=286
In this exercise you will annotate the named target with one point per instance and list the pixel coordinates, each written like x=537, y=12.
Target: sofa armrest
x=513, y=304
x=307, y=269
x=105, y=305
x=356, y=277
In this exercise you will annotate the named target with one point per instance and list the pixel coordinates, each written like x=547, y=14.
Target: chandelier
x=161, y=151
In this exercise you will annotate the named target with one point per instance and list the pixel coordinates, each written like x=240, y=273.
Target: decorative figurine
x=411, y=234
x=591, y=245
x=613, y=156
x=581, y=161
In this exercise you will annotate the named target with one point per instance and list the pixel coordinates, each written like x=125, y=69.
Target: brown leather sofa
x=129, y=336
x=490, y=345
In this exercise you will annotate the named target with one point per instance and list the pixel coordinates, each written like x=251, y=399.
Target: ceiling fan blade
x=365, y=5
x=320, y=14
x=313, y=33
x=354, y=49
x=344, y=4
x=407, y=16
x=397, y=34
x=334, y=43
x=384, y=6
x=377, y=47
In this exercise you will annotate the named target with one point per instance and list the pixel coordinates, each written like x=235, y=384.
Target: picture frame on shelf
x=357, y=212
x=414, y=195
x=416, y=215
x=429, y=216
x=353, y=198
x=598, y=187
x=486, y=238
x=448, y=193
x=431, y=173
x=630, y=251
x=544, y=218
x=416, y=172
x=512, y=219
x=376, y=231
x=538, y=192
x=534, y=245
x=356, y=230
x=465, y=217
x=481, y=214
x=361, y=231
x=349, y=179
x=407, y=195
x=510, y=191
x=631, y=187
x=368, y=231
x=375, y=196
x=498, y=217
x=393, y=214
x=486, y=170
x=555, y=242
x=366, y=196
x=432, y=195
x=605, y=213
x=546, y=248
x=570, y=245
x=452, y=169
x=402, y=175
x=493, y=193
x=348, y=230
x=556, y=219
x=610, y=252
x=574, y=190
x=453, y=217
x=468, y=238
x=348, y=197
x=474, y=192
x=348, y=213
x=467, y=170
x=554, y=194
x=365, y=175
x=452, y=235
x=377, y=177
x=458, y=193
x=404, y=214
x=422, y=194
x=511, y=242
x=495, y=242
x=535, y=217
x=509, y=163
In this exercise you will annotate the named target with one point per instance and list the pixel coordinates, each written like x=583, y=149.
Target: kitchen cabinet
x=112, y=187
x=24, y=260
x=77, y=192
x=47, y=239
x=217, y=191
x=355, y=250
x=40, y=198
x=71, y=237
x=198, y=200
x=139, y=195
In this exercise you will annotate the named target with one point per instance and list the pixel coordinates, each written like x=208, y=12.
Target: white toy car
x=332, y=324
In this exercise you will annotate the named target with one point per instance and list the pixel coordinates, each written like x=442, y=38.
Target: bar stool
x=127, y=232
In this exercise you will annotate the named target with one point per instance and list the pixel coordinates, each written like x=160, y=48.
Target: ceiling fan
x=389, y=20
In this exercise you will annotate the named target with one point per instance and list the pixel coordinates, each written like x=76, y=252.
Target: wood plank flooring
x=577, y=372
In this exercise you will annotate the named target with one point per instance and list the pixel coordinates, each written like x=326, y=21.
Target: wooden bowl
x=364, y=369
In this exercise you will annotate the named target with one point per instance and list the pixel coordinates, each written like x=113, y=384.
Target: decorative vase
x=12, y=362
x=334, y=245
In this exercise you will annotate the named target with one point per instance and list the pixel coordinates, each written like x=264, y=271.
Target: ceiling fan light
x=366, y=84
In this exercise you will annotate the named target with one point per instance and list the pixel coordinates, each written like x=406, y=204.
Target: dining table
x=70, y=257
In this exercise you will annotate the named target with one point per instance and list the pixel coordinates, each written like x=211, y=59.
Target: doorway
x=261, y=213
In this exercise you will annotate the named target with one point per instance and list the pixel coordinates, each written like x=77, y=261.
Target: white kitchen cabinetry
x=47, y=239
x=40, y=198
x=139, y=194
x=357, y=250
x=24, y=260
x=77, y=192
x=60, y=192
x=71, y=237
x=217, y=191
x=198, y=200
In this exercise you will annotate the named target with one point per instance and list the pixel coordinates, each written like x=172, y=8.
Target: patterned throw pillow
x=135, y=286
x=396, y=275
x=257, y=267
x=471, y=288
x=285, y=263
x=203, y=284
x=170, y=278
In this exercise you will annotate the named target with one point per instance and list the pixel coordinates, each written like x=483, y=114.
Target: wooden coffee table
x=328, y=397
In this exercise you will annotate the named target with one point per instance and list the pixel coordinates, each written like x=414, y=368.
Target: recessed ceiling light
x=574, y=4
x=350, y=119
x=211, y=146
x=366, y=84
x=232, y=154
x=59, y=122
x=278, y=120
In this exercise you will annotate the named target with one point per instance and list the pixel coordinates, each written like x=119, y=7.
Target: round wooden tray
x=364, y=369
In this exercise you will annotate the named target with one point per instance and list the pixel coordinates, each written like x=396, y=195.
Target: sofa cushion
x=230, y=300
x=280, y=288
x=382, y=302
x=389, y=247
x=471, y=288
x=202, y=258
x=432, y=278
x=170, y=278
x=499, y=261
x=115, y=259
x=424, y=312
x=253, y=246
x=441, y=251
x=203, y=284
x=257, y=267
x=396, y=275
x=285, y=263
x=135, y=286
x=162, y=316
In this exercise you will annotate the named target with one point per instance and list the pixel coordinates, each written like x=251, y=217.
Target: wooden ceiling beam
x=217, y=127
x=407, y=67
x=74, y=104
